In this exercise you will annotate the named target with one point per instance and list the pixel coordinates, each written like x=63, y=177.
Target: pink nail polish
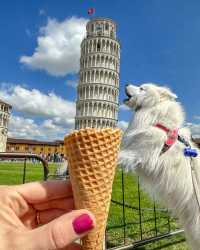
x=82, y=224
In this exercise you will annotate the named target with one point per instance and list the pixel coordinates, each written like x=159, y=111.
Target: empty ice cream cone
x=92, y=157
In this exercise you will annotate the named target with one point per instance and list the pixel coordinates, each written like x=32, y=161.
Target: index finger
x=37, y=192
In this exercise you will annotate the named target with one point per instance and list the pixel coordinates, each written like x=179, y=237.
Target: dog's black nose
x=127, y=85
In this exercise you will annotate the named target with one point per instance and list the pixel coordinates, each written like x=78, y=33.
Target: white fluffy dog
x=152, y=148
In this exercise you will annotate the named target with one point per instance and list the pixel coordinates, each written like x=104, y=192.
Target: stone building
x=5, y=110
x=35, y=146
x=98, y=88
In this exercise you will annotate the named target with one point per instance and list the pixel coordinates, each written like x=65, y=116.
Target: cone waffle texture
x=92, y=157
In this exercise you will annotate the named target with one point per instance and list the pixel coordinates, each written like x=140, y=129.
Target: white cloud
x=195, y=129
x=123, y=125
x=72, y=83
x=197, y=117
x=56, y=114
x=20, y=127
x=124, y=107
x=58, y=48
x=48, y=124
x=35, y=103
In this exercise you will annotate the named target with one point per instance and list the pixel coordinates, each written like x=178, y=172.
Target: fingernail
x=82, y=224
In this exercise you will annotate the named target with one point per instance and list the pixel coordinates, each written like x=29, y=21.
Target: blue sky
x=160, y=42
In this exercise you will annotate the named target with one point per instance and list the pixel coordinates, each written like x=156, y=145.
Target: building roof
x=1, y=101
x=34, y=142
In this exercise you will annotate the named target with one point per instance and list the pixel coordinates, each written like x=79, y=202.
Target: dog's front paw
x=128, y=161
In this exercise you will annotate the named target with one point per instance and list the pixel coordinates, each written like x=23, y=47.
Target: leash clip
x=190, y=152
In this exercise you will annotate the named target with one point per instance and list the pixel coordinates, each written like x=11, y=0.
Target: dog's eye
x=141, y=88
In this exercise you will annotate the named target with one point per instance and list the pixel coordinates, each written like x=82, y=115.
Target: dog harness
x=172, y=137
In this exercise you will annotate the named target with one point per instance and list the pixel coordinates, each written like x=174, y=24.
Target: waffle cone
x=92, y=157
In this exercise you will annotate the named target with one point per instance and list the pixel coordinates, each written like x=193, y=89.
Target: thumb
x=62, y=231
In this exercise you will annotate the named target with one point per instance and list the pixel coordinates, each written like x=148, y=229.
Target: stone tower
x=98, y=88
x=5, y=110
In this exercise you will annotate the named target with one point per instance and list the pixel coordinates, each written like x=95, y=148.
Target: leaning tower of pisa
x=5, y=110
x=98, y=88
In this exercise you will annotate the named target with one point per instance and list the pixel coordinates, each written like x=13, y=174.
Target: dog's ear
x=167, y=93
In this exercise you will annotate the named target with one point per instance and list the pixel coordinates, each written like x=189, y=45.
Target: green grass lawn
x=12, y=173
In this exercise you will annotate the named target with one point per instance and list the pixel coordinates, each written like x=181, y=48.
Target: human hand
x=50, y=204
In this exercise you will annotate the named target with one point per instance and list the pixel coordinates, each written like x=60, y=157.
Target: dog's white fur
x=167, y=175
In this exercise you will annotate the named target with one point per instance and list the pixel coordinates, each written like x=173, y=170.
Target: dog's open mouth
x=128, y=95
x=126, y=100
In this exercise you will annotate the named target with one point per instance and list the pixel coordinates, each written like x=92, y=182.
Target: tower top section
x=101, y=27
x=5, y=104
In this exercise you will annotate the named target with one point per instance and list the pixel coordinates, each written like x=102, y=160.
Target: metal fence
x=133, y=222
x=24, y=158
x=139, y=224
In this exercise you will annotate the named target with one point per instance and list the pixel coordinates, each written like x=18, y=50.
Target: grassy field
x=12, y=173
